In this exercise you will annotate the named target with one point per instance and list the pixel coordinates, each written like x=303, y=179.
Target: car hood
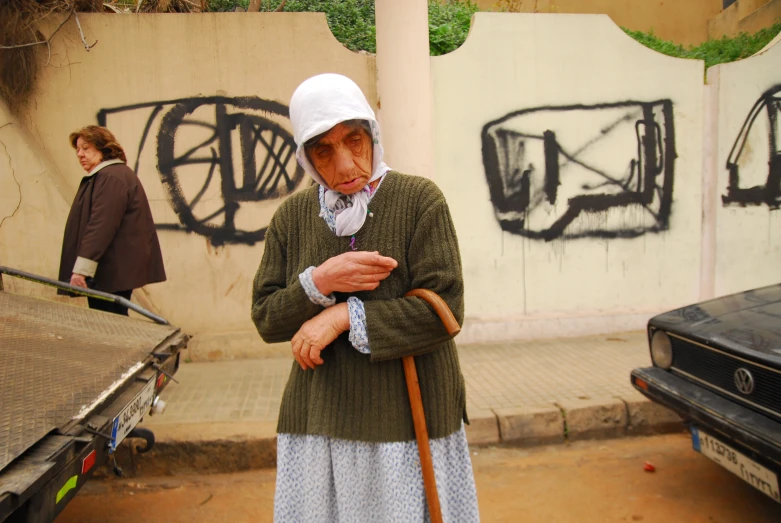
x=747, y=322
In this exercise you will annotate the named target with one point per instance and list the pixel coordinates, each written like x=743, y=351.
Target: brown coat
x=110, y=223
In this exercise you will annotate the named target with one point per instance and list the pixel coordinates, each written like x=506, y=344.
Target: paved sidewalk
x=523, y=393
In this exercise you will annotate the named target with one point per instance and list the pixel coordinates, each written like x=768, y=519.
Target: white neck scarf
x=319, y=104
x=350, y=211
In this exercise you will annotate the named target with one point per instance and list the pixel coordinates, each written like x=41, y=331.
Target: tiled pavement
x=500, y=378
x=221, y=417
x=551, y=371
x=225, y=391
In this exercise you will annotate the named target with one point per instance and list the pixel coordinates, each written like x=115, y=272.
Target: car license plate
x=132, y=414
x=739, y=464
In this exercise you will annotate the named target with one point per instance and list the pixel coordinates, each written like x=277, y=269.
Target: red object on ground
x=648, y=467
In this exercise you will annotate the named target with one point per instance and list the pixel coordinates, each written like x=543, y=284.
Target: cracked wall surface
x=33, y=207
x=6, y=190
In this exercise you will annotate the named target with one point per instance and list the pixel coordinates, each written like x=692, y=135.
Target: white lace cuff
x=358, y=335
x=315, y=296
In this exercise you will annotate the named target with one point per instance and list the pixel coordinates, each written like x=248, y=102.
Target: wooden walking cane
x=416, y=401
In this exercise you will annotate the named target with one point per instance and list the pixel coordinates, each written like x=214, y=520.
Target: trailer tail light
x=88, y=462
x=160, y=380
x=642, y=384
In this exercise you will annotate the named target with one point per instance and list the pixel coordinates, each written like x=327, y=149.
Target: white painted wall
x=748, y=252
x=577, y=76
x=32, y=204
x=517, y=286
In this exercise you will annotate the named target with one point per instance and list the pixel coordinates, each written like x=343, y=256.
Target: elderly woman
x=338, y=259
x=110, y=237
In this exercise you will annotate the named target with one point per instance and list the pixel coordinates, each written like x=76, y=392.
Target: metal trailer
x=74, y=383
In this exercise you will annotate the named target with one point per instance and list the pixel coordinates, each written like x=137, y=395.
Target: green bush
x=352, y=21
x=448, y=25
x=712, y=51
x=216, y=6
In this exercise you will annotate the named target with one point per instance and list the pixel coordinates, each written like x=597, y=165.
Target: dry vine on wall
x=24, y=49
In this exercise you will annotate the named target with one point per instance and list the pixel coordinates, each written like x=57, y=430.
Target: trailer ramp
x=58, y=361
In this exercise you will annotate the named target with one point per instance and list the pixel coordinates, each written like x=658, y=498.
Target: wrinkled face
x=343, y=157
x=88, y=154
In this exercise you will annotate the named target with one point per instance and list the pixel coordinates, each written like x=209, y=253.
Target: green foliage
x=448, y=25
x=352, y=21
x=712, y=51
x=226, y=5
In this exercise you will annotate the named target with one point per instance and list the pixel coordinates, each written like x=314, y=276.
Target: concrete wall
x=33, y=198
x=585, y=172
x=199, y=102
x=745, y=16
x=572, y=166
x=746, y=99
x=682, y=21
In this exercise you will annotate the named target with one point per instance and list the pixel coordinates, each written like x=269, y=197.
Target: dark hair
x=102, y=139
x=352, y=124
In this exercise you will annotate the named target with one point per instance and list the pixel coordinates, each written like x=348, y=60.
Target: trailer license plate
x=132, y=414
x=739, y=464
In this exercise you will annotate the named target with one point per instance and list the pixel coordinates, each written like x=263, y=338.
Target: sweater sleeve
x=409, y=326
x=279, y=306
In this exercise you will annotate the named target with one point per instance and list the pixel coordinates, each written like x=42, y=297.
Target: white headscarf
x=319, y=104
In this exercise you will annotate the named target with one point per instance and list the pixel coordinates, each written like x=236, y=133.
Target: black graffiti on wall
x=766, y=110
x=562, y=171
x=215, y=157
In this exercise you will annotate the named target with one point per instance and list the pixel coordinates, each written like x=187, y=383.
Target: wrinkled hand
x=317, y=333
x=78, y=280
x=353, y=271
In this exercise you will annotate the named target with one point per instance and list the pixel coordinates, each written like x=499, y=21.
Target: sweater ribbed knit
x=358, y=396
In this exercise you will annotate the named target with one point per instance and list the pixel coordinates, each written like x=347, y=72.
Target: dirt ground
x=597, y=481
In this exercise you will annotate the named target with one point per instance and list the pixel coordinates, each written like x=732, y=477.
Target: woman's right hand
x=353, y=271
x=78, y=280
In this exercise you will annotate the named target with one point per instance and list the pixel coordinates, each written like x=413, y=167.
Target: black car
x=718, y=365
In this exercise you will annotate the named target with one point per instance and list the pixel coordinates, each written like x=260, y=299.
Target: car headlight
x=661, y=350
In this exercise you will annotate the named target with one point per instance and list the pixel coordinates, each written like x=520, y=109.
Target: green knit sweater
x=359, y=396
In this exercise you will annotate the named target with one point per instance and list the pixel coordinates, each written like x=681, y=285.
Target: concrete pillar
x=404, y=85
x=710, y=189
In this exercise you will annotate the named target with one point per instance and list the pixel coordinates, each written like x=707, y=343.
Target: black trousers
x=108, y=306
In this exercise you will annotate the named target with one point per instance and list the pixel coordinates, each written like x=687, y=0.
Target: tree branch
x=254, y=6
x=42, y=41
x=83, y=38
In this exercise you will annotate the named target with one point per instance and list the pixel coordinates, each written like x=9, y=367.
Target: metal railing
x=81, y=291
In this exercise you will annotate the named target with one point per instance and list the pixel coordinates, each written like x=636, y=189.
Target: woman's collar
x=101, y=165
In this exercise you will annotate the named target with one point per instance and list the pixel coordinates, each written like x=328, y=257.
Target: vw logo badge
x=744, y=381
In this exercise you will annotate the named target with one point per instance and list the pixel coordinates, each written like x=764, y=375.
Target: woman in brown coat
x=110, y=241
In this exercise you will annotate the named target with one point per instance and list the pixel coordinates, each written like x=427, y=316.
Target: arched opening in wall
x=353, y=23
x=449, y=24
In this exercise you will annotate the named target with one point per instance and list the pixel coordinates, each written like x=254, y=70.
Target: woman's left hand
x=319, y=332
